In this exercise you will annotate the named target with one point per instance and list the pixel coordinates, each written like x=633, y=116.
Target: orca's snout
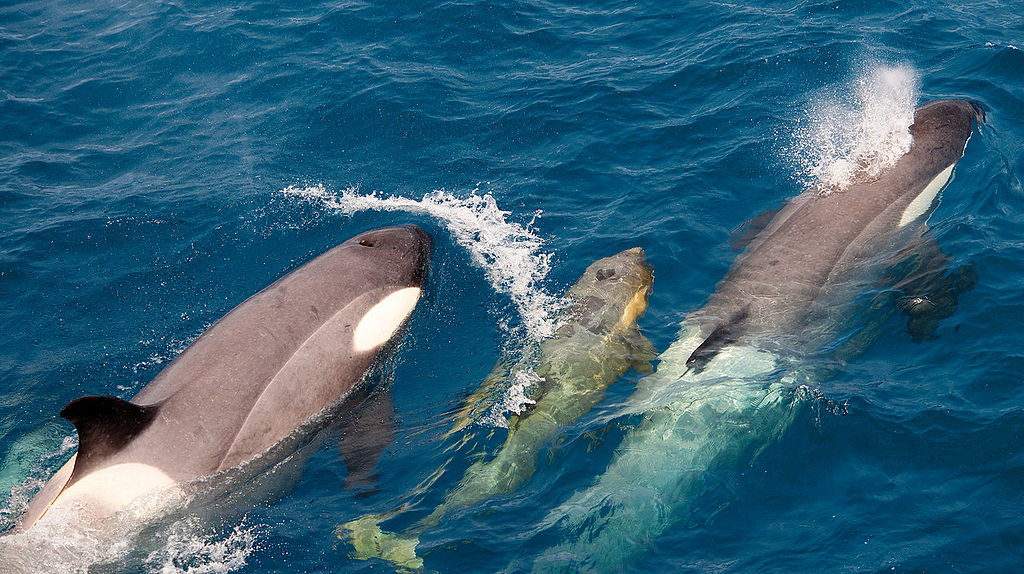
x=427, y=242
x=426, y=247
x=979, y=112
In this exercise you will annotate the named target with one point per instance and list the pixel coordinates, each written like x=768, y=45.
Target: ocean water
x=162, y=161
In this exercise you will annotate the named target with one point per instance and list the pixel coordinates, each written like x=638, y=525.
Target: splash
x=28, y=464
x=515, y=399
x=509, y=253
x=189, y=551
x=183, y=546
x=54, y=547
x=62, y=543
x=855, y=132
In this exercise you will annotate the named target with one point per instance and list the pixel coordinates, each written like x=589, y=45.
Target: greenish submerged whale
x=731, y=383
x=596, y=343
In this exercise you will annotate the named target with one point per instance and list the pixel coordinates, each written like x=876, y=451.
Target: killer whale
x=273, y=363
x=818, y=249
x=730, y=384
x=596, y=342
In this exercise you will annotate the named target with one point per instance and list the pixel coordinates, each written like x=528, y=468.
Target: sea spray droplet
x=514, y=400
x=857, y=130
x=190, y=549
x=509, y=253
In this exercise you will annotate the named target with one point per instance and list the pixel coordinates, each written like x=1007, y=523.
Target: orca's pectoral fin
x=640, y=352
x=105, y=426
x=644, y=367
x=722, y=335
x=364, y=436
x=927, y=304
x=930, y=290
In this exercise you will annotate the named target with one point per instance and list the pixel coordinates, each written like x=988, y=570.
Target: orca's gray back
x=220, y=384
x=818, y=244
x=254, y=377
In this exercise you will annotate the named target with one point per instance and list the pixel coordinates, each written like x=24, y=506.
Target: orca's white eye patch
x=924, y=200
x=384, y=318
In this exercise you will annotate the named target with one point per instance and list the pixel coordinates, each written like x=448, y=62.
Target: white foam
x=857, y=130
x=56, y=547
x=510, y=253
x=514, y=399
x=63, y=543
x=188, y=550
x=186, y=545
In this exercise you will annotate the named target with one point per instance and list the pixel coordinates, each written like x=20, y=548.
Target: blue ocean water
x=160, y=162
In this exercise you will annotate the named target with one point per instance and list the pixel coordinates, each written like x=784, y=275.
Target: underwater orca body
x=725, y=389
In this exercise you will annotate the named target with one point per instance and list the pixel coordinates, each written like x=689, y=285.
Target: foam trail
x=856, y=131
x=517, y=397
x=509, y=253
x=58, y=545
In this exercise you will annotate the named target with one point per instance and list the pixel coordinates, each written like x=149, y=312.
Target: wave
x=183, y=546
x=509, y=253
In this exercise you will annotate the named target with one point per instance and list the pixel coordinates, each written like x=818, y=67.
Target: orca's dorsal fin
x=724, y=334
x=105, y=425
x=748, y=230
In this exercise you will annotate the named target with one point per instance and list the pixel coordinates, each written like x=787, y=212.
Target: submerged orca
x=596, y=342
x=724, y=390
x=818, y=250
x=265, y=369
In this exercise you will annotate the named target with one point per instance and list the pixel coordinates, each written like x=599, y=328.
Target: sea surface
x=162, y=161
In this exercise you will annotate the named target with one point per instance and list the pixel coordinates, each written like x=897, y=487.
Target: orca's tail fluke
x=369, y=541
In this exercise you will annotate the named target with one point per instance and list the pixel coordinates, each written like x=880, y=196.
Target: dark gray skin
x=263, y=370
x=814, y=252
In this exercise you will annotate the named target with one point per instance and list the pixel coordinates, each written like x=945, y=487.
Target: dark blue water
x=160, y=162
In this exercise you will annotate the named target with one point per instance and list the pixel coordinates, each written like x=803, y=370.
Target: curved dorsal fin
x=748, y=230
x=105, y=426
x=724, y=334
